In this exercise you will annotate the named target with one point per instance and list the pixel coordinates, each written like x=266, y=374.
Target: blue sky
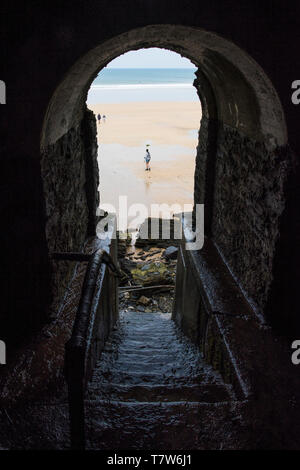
x=150, y=58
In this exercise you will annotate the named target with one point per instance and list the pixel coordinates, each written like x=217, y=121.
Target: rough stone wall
x=205, y=169
x=206, y=149
x=89, y=133
x=70, y=179
x=201, y=162
x=250, y=195
x=248, y=201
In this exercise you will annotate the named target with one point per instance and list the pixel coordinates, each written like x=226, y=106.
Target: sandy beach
x=171, y=129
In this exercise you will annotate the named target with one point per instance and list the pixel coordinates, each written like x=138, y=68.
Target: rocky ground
x=148, y=276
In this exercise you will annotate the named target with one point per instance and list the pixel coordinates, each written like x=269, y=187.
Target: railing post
x=81, y=351
x=74, y=371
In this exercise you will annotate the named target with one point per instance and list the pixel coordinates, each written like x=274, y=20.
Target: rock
x=146, y=267
x=165, y=303
x=150, y=274
x=144, y=300
x=134, y=295
x=154, y=252
x=171, y=252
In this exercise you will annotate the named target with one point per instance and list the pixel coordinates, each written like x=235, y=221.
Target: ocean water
x=145, y=76
x=128, y=85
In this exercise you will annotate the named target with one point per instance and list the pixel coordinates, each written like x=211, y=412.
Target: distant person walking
x=104, y=118
x=147, y=160
x=99, y=118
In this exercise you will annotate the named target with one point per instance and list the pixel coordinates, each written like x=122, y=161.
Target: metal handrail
x=80, y=354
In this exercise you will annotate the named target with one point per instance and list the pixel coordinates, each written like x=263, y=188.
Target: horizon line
x=119, y=68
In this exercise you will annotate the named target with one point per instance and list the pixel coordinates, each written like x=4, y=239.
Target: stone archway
x=241, y=164
x=246, y=98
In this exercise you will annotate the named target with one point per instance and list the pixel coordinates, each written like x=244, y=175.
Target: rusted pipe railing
x=80, y=351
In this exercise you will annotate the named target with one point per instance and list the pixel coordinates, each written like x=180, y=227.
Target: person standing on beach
x=99, y=118
x=147, y=160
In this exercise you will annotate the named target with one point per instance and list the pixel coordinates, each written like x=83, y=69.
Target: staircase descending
x=151, y=390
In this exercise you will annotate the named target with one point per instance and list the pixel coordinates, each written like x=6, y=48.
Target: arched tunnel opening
x=242, y=136
x=226, y=293
x=145, y=101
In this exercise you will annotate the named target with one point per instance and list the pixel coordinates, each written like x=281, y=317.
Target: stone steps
x=155, y=378
x=211, y=393
x=152, y=390
x=162, y=426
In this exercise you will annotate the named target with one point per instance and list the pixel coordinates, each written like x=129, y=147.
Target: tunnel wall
x=248, y=201
x=243, y=181
x=25, y=266
x=70, y=178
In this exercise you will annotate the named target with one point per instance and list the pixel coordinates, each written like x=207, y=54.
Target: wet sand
x=171, y=130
